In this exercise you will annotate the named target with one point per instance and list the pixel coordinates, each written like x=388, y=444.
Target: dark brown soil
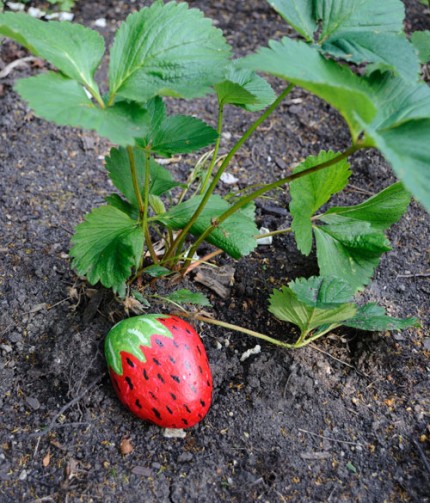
x=349, y=421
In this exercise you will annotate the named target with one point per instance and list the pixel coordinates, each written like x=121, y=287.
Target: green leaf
x=385, y=51
x=310, y=192
x=350, y=16
x=245, y=89
x=299, y=14
x=303, y=65
x=75, y=50
x=229, y=92
x=64, y=101
x=118, y=167
x=236, y=235
x=157, y=271
x=381, y=210
x=179, y=134
x=322, y=291
x=368, y=32
x=116, y=201
x=174, y=134
x=106, y=247
x=285, y=305
x=349, y=249
x=170, y=50
x=421, y=41
x=401, y=130
x=185, y=296
x=407, y=149
x=397, y=101
x=372, y=317
x=352, y=242
x=362, y=31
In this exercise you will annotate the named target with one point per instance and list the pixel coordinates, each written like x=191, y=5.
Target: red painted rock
x=159, y=369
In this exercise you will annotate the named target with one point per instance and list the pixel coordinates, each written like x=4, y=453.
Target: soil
x=348, y=420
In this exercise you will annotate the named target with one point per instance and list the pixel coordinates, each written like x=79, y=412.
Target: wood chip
x=218, y=280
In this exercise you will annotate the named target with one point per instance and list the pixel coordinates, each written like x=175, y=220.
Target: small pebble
x=35, y=12
x=174, y=433
x=185, y=457
x=32, y=402
x=100, y=23
x=16, y=6
x=266, y=240
x=229, y=179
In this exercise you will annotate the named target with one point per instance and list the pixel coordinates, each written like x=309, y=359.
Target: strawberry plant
x=353, y=55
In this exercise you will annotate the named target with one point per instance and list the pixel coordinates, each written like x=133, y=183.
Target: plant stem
x=142, y=203
x=215, y=153
x=146, y=208
x=267, y=188
x=300, y=343
x=229, y=326
x=183, y=233
x=95, y=94
x=132, y=162
x=273, y=233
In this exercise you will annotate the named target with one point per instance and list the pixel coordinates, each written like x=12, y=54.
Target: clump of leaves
x=153, y=224
x=318, y=305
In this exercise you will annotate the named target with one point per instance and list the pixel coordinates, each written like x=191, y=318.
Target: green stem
x=178, y=243
x=95, y=94
x=215, y=154
x=143, y=204
x=132, y=162
x=273, y=233
x=267, y=188
x=300, y=343
x=146, y=208
x=236, y=328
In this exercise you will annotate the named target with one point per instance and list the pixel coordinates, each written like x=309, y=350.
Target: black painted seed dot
x=151, y=394
x=155, y=411
x=172, y=359
x=175, y=344
x=173, y=396
x=159, y=343
x=145, y=375
x=187, y=347
x=174, y=327
x=138, y=404
x=200, y=370
x=175, y=378
x=199, y=350
x=156, y=361
x=160, y=377
x=187, y=408
x=188, y=331
x=130, y=362
x=129, y=382
x=200, y=416
x=169, y=410
x=203, y=403
x=208, y=383
x=184, y=421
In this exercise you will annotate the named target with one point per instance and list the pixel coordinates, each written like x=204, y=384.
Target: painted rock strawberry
x=159, y=369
